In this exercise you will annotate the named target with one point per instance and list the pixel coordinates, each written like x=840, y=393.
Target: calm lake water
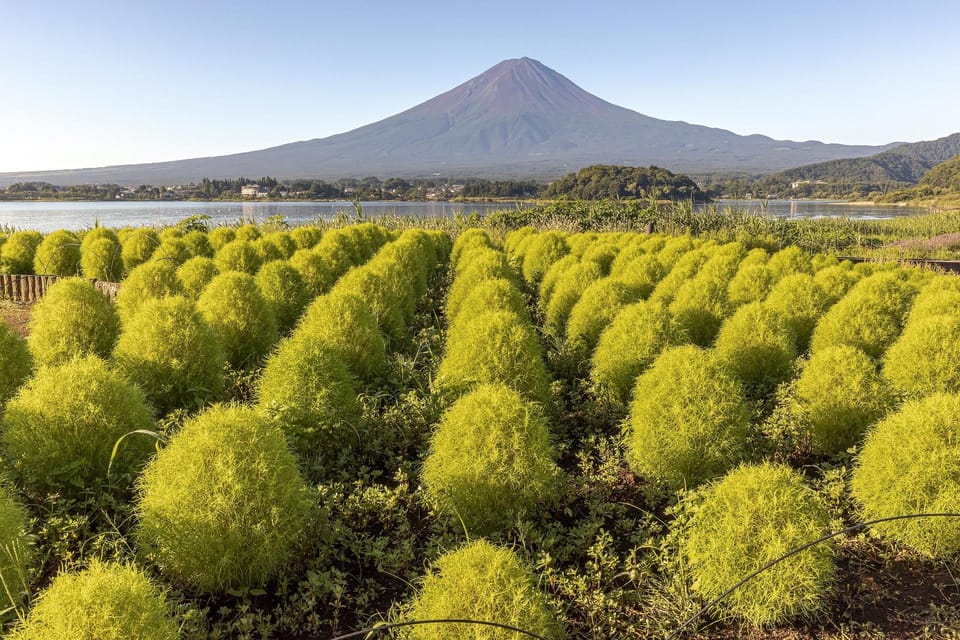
x=50, y=216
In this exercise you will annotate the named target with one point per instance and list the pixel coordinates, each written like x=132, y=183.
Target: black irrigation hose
x=792, y=553
x=410, y=623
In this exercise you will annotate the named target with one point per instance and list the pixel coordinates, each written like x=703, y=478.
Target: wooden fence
x=22, y=288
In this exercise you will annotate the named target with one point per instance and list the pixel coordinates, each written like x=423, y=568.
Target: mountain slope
x=517, y=118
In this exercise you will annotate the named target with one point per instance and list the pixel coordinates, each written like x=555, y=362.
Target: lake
x=50, y=216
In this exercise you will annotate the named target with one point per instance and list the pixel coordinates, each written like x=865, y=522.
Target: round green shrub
x=570, y=286
x=238, y=313
x=544, y=249
x=820, y=261
x=550, y=279
x=752, y=283
x=223, y=505
x=633, y=249
x=149, y=281
x=248, y=233
x=73, y=319
x=752, y=516
x=16, y=363
x=339, y=251
x=756, y=346
x=800, y=300
x=170, y=352
x=513, y=239
x=634, y=339
x=602, y=254
x=487, y=264
x=497, y=294
x=60, y=428
x=940, y=296
x=137, y=247
x=58, y=254
x=221, y=236
x=492, y=347
x=870, y=317
x=106, y=601
x=286, y=294
x=283, y=241
x=198, y=242
x=347, y=325
x=17, y=253
x=239, y=255
x=837, y=280
x=481, y=582
x=596, y=308
x=837, y=395
x=97, y=233
x=268, y=250
x=101, y=259
x=306, y=388
x=701, y=304
x=175, y=250
x=317, y=274
x=469, y=239
x=644, y=272
x=908, y=464
x=382, y=292
x=16, y=550
x=306, y=237
x=195, y=274
x=789, y=261
x=168, y=233
x=924, y=358
x=685, y=269
x=674, y=249
x=688, y=420
x=580, y=242
x=490, y=461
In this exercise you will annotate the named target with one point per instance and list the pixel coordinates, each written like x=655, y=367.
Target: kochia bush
x=101, y=259
x=73, y=319
x=195, y=274
x=316, y=271
x=924, y=358
x=137, y=247
x=106, y=601
x=239, y=255
x=596, y=309
x=347, y=325
x=149, y=281
x=238, y=313
x=481, y=582
x=16, y=550
x=497, y=294
x=757, y=347
x=478, y=266
x=58, y=254
x=171, y=352
x=752, y=516
x=570, y=286
x=17, y=253
x=223, y=505
x=221, y=236
x=908, y=464
x=701, y=304
x=800, y=300
x=283, y=289
x=306, y=237
x=544, y=249
x=688, y=421
x=490, y=460
x=60, y=428
x=16, y=363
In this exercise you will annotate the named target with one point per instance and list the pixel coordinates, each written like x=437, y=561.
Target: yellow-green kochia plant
x=16, y=551
x=221, y=236
x=16, y=363
x=345, y=323
x=565, y=294
x=542, y=251
x=491, y=461
x=195, y=274
x=800, y=301
x=688, y=422
x=497, y=294
x=137, y=247
x=73, y=319
x=101, y=259
x=480, y=581
x=924, y=359
x=149, y=281
x=910, y=463
x=239, y=255
x=306, y=237
x=594, y=311
x=238, y=313
x=701, y=304
x=58, y=254
x=757, y=347
x=223, y=505
x=107, y=601
x=752, y=516
x=283, y=289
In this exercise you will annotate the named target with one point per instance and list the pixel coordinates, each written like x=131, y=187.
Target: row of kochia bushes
x=227, y=500
x=716, y=354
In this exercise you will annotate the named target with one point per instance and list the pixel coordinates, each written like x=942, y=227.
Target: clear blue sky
x=108, y=82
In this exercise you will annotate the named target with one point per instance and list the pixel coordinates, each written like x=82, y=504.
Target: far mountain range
x=518, y=119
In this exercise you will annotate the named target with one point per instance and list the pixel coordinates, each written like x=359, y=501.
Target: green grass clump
x=634, y=339
x=490, y=461
x=688, y=421
x=238, y=313
x=347, y=325
x=60, y=428
x=594, y=311
x=105, y=601
x=17, y=253
x=801, y=301
x=492, y=347
x=870, y=317
x=908, y=464
x=305, y=237
x=481, y=581
x=223, y=505
x=837, y=395
x=16, y=363
x=170, y=352
x=924, y=359
x=16, y=551
x=306, y=388
x=195, y=274
x=570, y=286
x=58, y=254
x=543, y=250
x=756, y=346
x=752, y=516
x=317, y=273
x=149, y=281
x=239, y=255
x=137, y=247
x=285, y=292
x=220, y=237
x=101, y=259
x=73, y=319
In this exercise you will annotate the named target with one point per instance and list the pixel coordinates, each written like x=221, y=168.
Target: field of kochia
x=297, y=433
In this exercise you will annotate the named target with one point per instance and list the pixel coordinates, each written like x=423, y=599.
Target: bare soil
x=17, y=315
